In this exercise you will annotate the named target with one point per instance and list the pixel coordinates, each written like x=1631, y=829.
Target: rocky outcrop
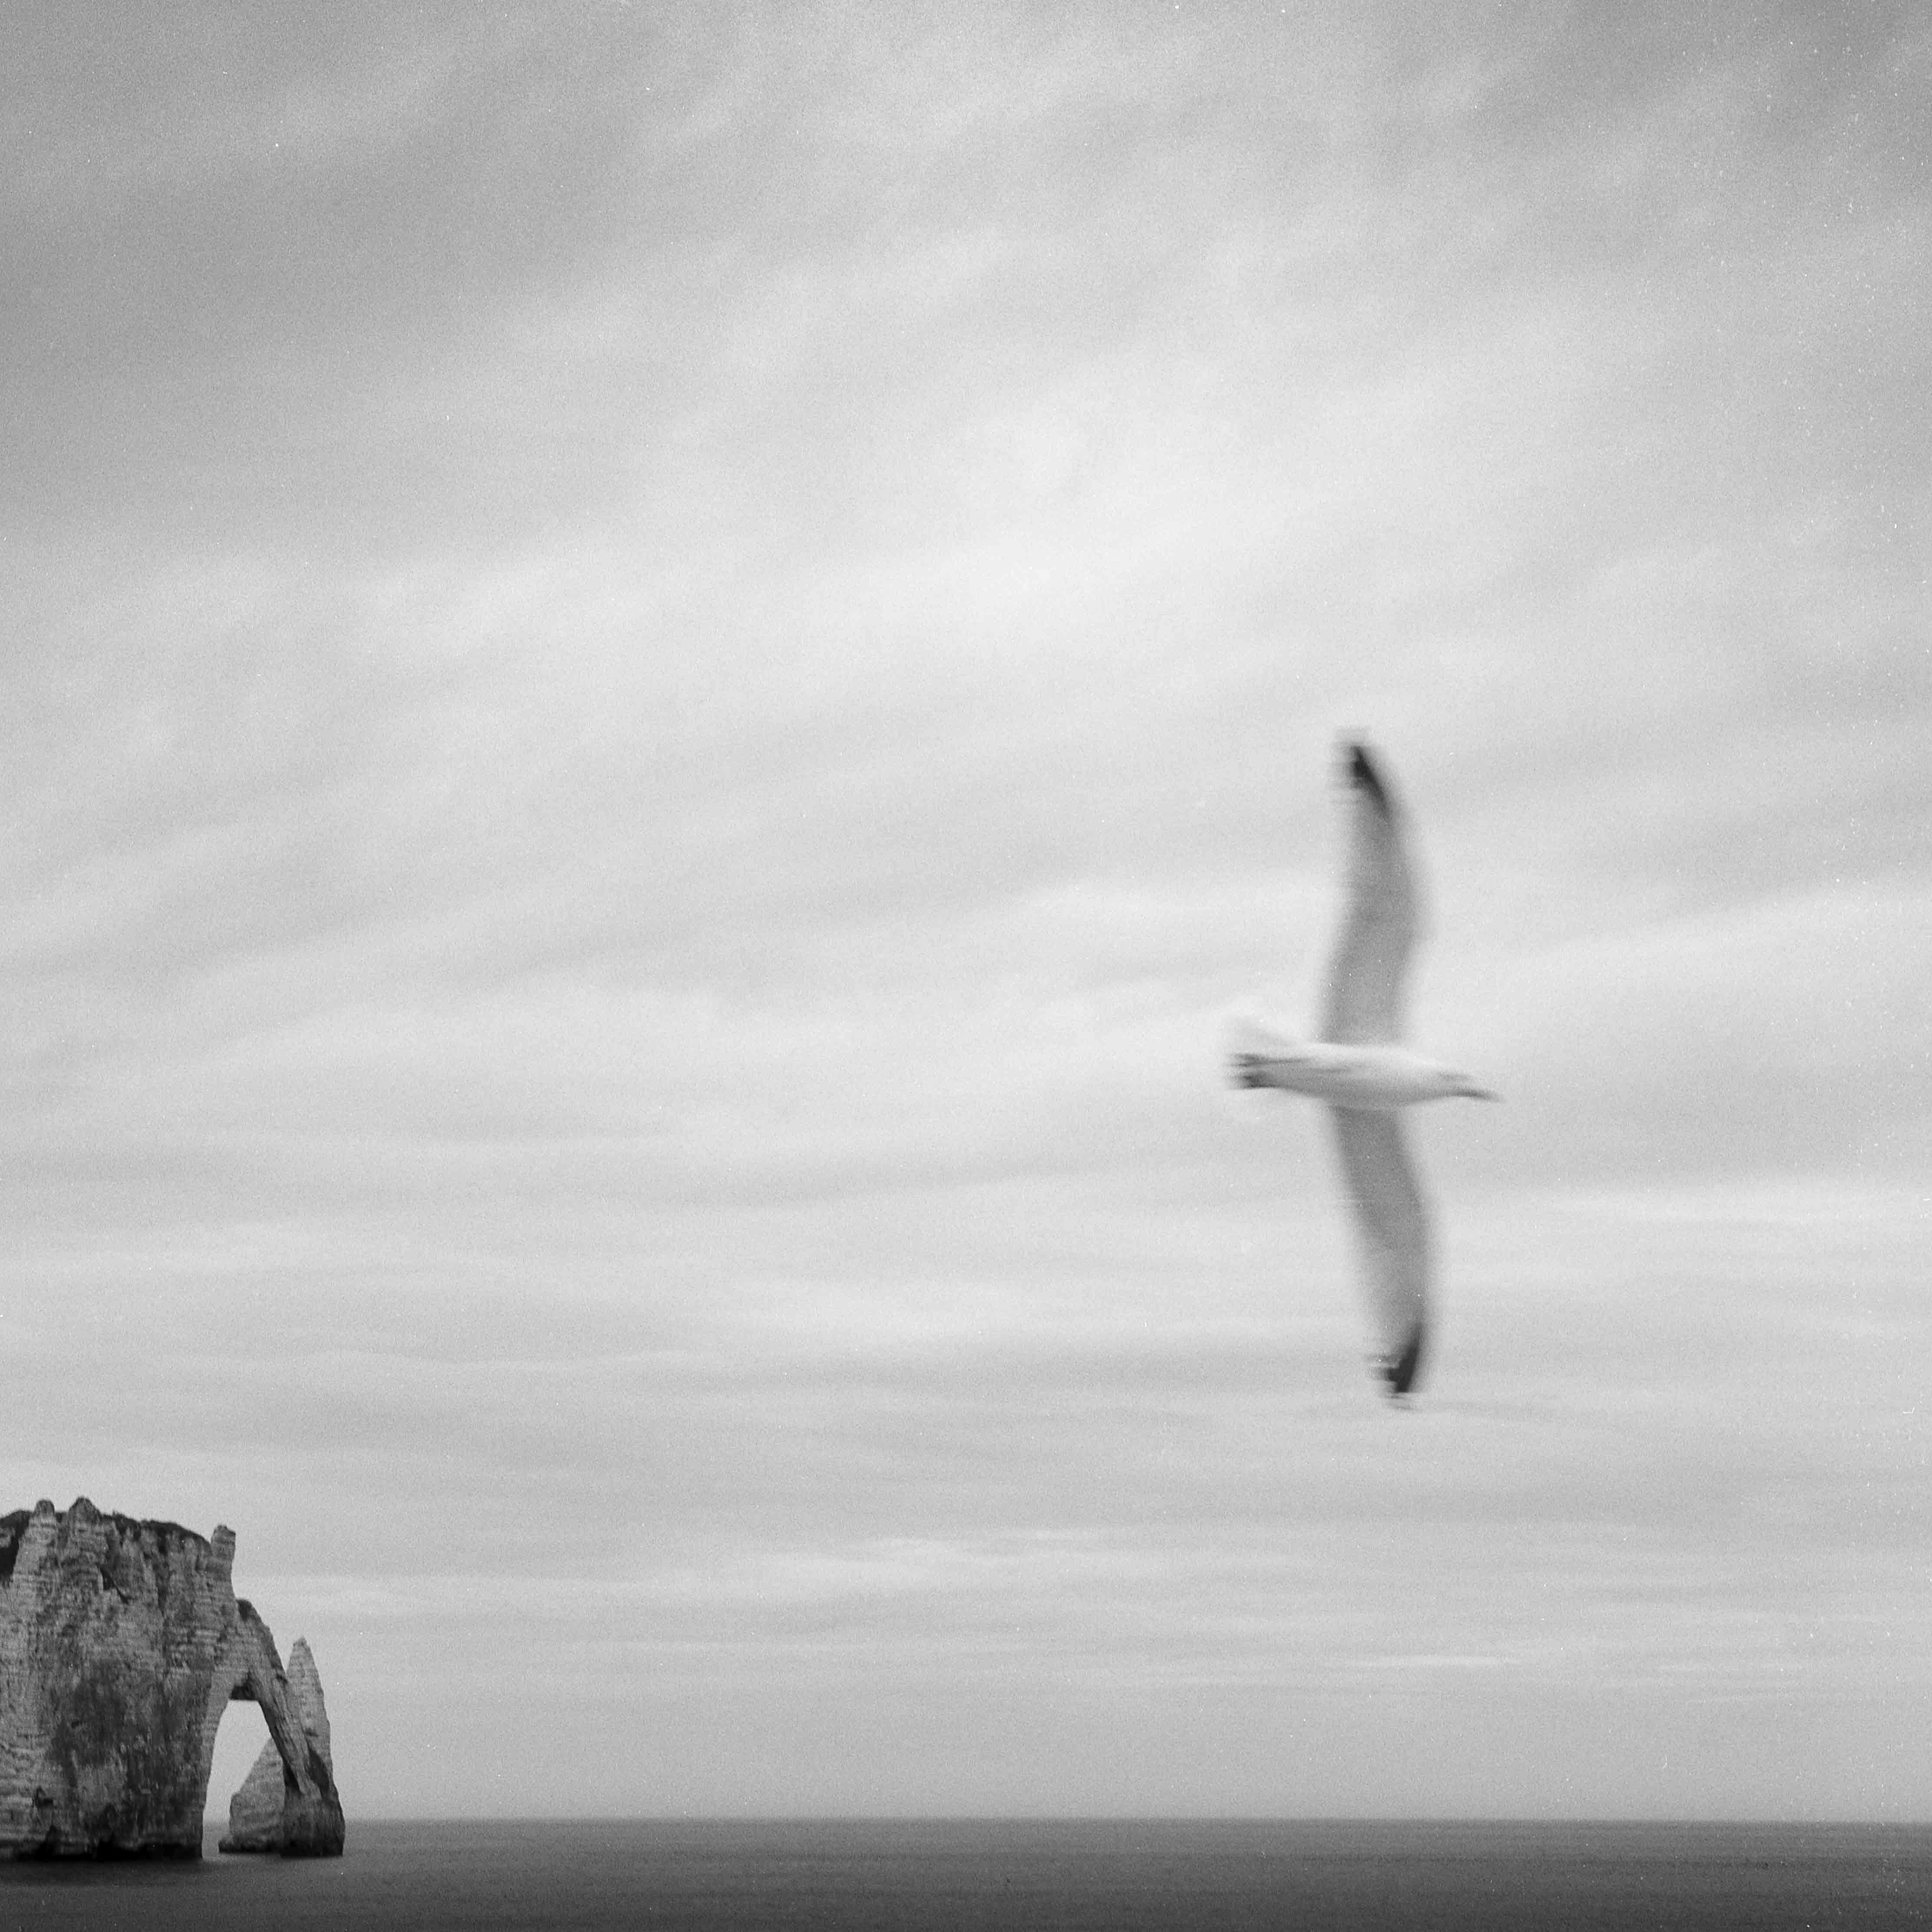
x=121, y=1644
x=255, y=1812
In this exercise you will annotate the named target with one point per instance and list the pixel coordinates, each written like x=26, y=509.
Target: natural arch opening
x=239, y=1740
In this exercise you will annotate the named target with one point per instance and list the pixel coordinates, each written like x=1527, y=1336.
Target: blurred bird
x=1359, y=1067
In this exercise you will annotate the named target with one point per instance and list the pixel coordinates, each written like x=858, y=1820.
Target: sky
x=663, y=669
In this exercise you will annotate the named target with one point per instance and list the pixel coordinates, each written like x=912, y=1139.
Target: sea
x=1110, y=1876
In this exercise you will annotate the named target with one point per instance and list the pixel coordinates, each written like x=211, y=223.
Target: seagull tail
x=1249, y=1043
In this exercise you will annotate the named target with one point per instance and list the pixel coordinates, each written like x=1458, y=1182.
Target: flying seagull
x=1361, y=1069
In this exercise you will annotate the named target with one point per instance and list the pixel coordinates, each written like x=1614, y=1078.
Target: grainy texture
x=120, y=1644
x=255, y=1811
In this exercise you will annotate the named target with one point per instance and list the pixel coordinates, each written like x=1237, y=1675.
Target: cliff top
x=14, y=1524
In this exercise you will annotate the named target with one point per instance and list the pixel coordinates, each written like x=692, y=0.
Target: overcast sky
x=663, y=668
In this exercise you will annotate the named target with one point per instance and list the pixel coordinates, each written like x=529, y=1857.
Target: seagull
x=1361, y=1069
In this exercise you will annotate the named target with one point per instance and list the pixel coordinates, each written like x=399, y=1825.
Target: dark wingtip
x=1362, y=772
x=1400, y=1373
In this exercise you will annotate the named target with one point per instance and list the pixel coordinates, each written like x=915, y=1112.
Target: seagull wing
x=1379, y=929
x=1393, y=1220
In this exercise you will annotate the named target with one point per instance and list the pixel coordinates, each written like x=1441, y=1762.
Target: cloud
x=675, y=666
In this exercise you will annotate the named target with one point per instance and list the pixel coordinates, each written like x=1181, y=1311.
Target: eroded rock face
x=121, y=1643
x=255, y=1812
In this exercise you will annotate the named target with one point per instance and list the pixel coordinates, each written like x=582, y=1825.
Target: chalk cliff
x=121, y=1644
x=255, y=1811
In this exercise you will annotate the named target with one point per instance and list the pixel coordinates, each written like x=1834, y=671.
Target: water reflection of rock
x=121, y=1644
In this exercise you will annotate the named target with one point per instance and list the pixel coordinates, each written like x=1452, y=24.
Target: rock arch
x=258, y=1813
x=121, y=1645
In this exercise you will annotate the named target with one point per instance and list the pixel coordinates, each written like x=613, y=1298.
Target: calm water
x=1109, y=1876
